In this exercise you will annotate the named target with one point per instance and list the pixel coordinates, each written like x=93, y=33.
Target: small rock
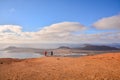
x=58, y=58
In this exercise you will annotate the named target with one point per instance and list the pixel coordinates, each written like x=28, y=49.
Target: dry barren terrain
x=97, y=67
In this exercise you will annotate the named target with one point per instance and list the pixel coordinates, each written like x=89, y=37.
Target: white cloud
x=53, y=33
x=60, y=31
x=110, y=23
x=56, y=33
x=63, y=28
x=10, y=28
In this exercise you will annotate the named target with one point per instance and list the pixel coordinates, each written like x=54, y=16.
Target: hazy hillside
x=96, y=47
x=22, y=49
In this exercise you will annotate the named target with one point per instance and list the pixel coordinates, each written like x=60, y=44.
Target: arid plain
x=96, y=67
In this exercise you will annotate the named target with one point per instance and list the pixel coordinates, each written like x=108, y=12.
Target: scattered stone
x=58, y=58
x=1, y=62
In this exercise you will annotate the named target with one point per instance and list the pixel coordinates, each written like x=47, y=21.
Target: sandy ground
x=97, y=67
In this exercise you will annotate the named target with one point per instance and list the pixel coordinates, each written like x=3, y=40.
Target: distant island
x=92, y=47
x=98, y=47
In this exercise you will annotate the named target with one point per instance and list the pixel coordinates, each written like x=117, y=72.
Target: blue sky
x=34, y=14
x=72, y=20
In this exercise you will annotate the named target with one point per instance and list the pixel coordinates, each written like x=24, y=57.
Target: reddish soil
x=97, y=67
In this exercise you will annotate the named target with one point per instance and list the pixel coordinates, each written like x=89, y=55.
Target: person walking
x=51, y=53
x=45, y=53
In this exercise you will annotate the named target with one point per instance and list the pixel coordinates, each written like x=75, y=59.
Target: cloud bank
x=12, y=28
x=108, y=23
x=64, y=32
x=63, y=28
